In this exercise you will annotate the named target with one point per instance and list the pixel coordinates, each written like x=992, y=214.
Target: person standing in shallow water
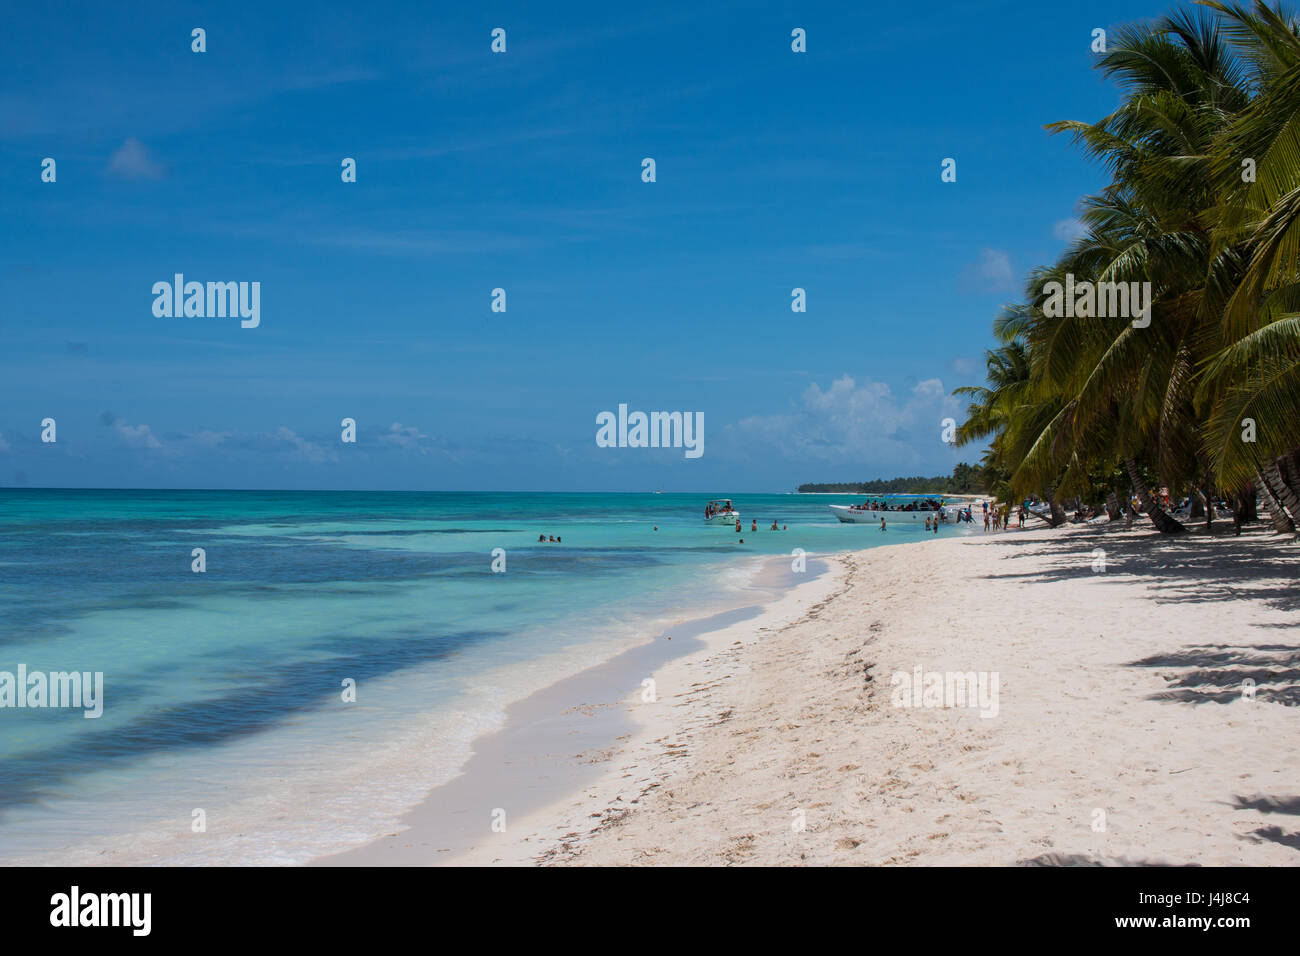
x=882, y=524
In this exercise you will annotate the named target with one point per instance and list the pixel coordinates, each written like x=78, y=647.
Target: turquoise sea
x=223, y=690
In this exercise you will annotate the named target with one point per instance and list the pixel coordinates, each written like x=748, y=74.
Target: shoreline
x=552, y=741
x=1122, y=736
x=349, y=809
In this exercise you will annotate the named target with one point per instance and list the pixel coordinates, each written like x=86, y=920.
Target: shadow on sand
x=1257, y=566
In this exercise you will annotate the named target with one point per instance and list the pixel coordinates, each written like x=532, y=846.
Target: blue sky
x=522, y=170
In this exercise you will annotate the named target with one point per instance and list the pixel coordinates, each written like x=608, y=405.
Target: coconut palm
x=1254, y=428
x=1223, y=339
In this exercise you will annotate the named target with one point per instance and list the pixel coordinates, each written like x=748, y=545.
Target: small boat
x=721, y=512
x=870, y=512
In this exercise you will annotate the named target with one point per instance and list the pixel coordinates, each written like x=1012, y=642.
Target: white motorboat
x=870, y=512
x=721, y=512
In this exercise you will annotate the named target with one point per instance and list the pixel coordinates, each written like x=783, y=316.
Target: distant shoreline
x=900, y=494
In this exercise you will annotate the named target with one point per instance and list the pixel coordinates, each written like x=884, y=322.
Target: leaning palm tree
x=1254, y=373
x=1183, y=87
x=1206, y=393
x=1004, y=409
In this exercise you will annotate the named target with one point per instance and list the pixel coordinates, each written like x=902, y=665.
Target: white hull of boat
x=870, y=516
x=725, y=517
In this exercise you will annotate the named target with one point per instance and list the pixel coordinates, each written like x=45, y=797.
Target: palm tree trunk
x=1058, y=513
x=1163, y=522
x=1244, y=504
x=1112, y=506
x=1281, y=521
x=1289, y=474
x=1288, y=503
x=1249, y=503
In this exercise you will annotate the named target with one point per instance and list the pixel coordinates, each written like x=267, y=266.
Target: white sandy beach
x=1121, y=736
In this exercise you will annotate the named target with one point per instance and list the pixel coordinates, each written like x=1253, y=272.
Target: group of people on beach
x=999, y=518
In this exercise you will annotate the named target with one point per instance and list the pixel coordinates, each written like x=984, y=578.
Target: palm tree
x=1254, y=429
x=1206, y=395
x=1004, y=408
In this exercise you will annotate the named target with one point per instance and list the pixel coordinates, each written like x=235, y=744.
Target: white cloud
x=137, y=436
x=301, y=447
x=992, y=272
x=928, y=388
x=207, y=438
x=132, y=161
x=860, y=426
x=1067, y=230
x=403, y=436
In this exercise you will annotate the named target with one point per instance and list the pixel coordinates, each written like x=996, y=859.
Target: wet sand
x=552, y=744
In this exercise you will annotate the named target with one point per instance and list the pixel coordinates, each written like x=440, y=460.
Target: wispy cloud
x=400, y=242
x=136, y=436
x=422, y=242
x=1067, y=230
x=992, y=272
x=286, y=439
x=131, y=160
x=405, y=436
x=401, y=151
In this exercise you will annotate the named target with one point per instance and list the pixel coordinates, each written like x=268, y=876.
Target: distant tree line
x=964, y=480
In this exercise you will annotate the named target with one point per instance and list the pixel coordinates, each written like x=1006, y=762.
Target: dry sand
x=1122, y=734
